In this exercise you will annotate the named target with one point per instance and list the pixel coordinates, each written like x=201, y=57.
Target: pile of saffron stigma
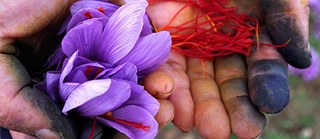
x=216, y=30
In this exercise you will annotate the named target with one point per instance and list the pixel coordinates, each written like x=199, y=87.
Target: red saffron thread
x=93, y=128
x=276, y=46
x=98, y=71
x=88, y=71
x=88, y=15
x=136, y=125
x=221, y=33
x=101, y=9
x=92, y=72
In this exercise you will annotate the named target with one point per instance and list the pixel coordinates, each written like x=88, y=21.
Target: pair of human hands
x=213, y=98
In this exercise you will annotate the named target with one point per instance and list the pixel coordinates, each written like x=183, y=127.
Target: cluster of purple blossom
x=107, y=49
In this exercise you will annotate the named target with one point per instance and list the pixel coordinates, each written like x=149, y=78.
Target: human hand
x=32, y=26
x=214, y=97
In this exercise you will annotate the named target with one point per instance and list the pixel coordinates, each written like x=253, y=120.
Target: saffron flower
x=106, y=50
x=310, y=73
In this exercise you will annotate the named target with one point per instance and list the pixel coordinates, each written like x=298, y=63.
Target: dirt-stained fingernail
x=46, y=134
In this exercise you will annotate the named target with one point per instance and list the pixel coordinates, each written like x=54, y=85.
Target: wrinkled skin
x=221, y=98
x=194, y=102
x=280, y=14
x=23, y=108
x=214, y=99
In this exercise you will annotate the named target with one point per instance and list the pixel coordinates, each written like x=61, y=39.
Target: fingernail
x=164, y=95
x=184, y=131
x=46, y=134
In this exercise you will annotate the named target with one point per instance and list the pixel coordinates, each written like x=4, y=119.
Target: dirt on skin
x=299, y=120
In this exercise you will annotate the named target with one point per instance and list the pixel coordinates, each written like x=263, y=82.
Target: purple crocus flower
x=310, y=73
x=106, y=55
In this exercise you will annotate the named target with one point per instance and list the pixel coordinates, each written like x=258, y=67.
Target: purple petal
x=150, y=52
x=83, y=38
x=82, y=16
x=52, y=82
x=68, y=66
x=108, y=8
x=85, y=92
x=118, y=93
x=134, y=114
x=122, y=32
x=146, y=28
x=66, y=88
x=126, y=71
x=64, y=25
x=142, y=98
x=41, y=86
x=78, y=74
x=56, y=59
x=82, y=61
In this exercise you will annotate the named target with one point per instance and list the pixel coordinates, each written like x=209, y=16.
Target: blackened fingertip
x=269, y=92
x=296, y=57
x=284, y=27
x=268, y=85
x=47, y=134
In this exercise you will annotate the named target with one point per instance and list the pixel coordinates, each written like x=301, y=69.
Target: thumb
x=25, y=109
